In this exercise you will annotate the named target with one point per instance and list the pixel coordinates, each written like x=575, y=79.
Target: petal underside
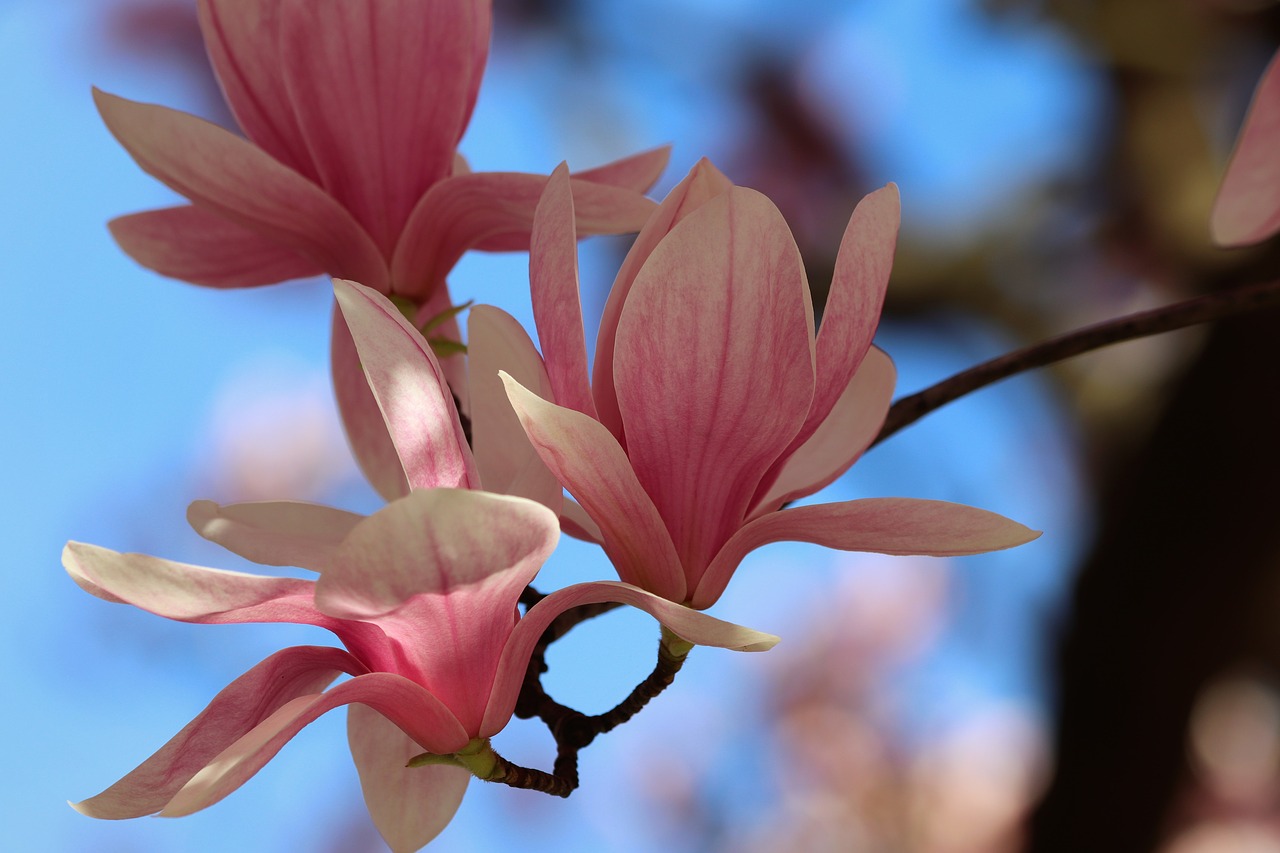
x=275, y=533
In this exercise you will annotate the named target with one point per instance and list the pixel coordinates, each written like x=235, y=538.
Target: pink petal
x=241, y=705
x=703, y=183
x=486, y=208
x=382, y=93
x=575, y=522
x=440, y=571
x=898, y=526
x=506, y=460
x=191, y=244
x=410, y=388
x=839, y=440
x=588, y=461
x=409, y=805
x=714, y=367
x=553, y=281
x=232, y=178
x=406, y=704
x=690, y=625
x=1247, y=209
x=275, y=533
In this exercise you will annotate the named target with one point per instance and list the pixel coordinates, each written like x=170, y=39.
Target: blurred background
x=1112, y=686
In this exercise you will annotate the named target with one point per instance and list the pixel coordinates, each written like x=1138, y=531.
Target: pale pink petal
x=703, y=183
x=553, y=282
x=589, y=462
x=410, y=388
x=690, y=625
x=409, y=805
x=382, y=92
x=506, y=460
x=440, y=571
x=232, y=178
x=575, y=522
x=898, y=526
x=1247, y=209
x=854, y=422
x=275, y=533
x=241, y=705
x=714, y=367
x=191, y=244
x=465, y=211
x=406, y=704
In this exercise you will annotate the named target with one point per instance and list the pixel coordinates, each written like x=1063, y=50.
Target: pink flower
x=1247, y=209
x=714, y=404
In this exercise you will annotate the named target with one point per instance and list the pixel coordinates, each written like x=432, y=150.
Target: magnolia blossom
x=713, y=403
x=1247, y=209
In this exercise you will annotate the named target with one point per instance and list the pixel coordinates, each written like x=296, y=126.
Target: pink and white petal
x=275, y=533
x=403, y=702
x=237, y=709
x=381, y=92
x=838, y=442
x=690, y=625
x=409, y=805
x=589, y=462
x=703, y=183
x=466, y=211
x=233, y=178
x=410, y=389
x=192, y=244
x=714, y=367
x=896, y=526
x=575, y=522
x=553, y=282
x=506, y=460
x=1247, y=209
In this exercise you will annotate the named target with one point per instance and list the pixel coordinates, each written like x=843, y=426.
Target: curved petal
x=192, y=244
x=1247, y=209
x=232, y=178
x=553, y=283
x=409, y=805
x=410, y=388
x=406, y=704
x=703, y=183
x=506, y=460
x=897, y=526
x=714, y=367
x=575, y=522
x=588, y=461
x=238, y=708
x=464, y=211
x=275, y=533
x=690, y=625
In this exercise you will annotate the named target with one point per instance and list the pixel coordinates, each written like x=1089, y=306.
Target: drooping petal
x=703, y=183
x=403, y=702
x=409, y=805
x=381, y=92
x=506, y=460
x=589, y=462
x=440, y=571
x=897, y=526
x=1247, y=209
x=690, y=625
x=275, y=533
x=553, y=283
x=410, y=388
x=464, y=211
x=192, y=244
x=238, y=708
x=232, y=178
x=714, y=367
x=848, y=431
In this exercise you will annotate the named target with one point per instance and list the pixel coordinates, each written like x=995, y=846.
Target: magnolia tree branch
x=908, y=410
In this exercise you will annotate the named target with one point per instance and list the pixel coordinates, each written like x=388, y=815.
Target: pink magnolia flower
x=713, y=403
x=1247, y=209
x=423, y=595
